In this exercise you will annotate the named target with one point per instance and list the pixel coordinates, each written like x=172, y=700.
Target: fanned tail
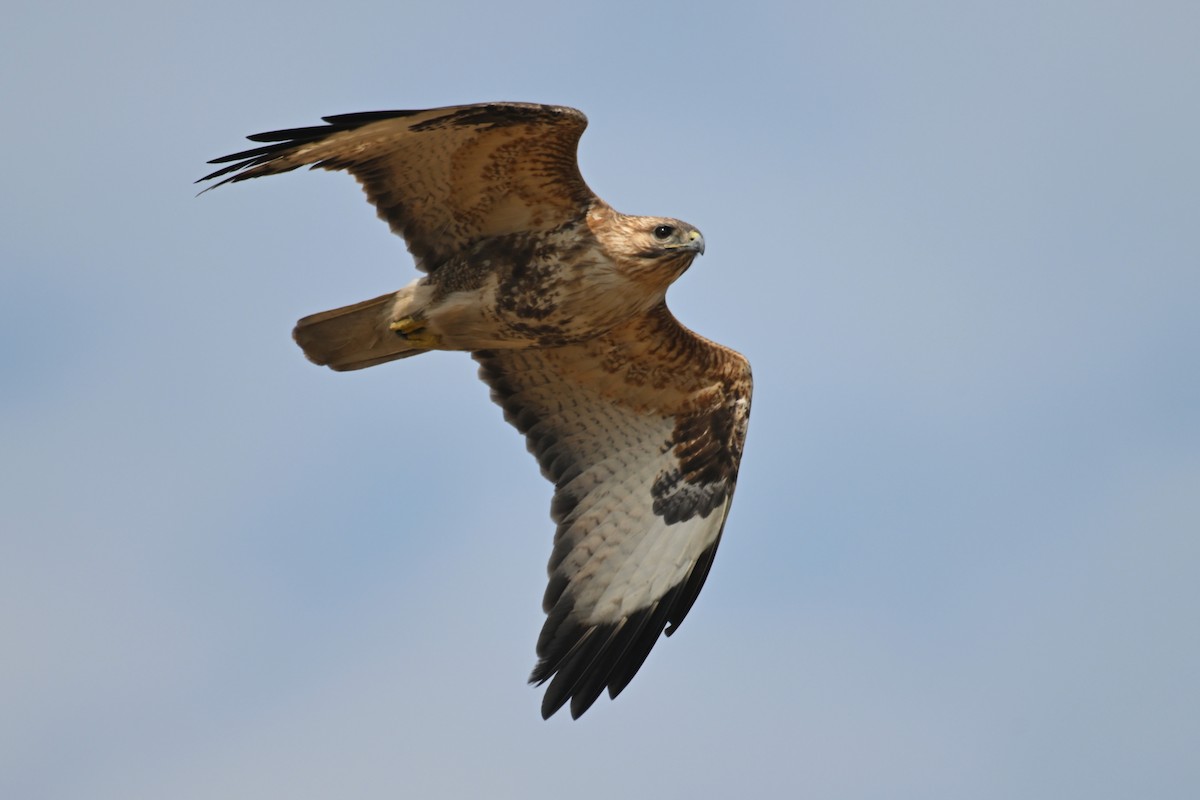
x=354, y=336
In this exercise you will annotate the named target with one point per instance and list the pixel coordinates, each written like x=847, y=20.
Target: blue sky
x=958, y=241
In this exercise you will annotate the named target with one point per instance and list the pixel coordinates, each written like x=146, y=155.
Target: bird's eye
x=663, y=232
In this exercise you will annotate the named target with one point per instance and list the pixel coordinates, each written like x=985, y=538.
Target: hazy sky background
x=959, y=242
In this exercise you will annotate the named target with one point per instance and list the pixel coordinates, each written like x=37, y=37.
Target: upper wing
x=445, y=177
x=641, y=432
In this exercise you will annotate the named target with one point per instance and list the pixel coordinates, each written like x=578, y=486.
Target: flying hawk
x=638, y=421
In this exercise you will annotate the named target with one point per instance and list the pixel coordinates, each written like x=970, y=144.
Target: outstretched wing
x=442, y=178
x=641, y=432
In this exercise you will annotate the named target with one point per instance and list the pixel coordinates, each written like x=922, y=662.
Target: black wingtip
x=580, y=661
x=359, y=118
x=281, y=142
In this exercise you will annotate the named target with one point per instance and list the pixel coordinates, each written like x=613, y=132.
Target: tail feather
x=353, y=337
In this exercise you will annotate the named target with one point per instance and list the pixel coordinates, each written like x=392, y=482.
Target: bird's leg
x=413, y=330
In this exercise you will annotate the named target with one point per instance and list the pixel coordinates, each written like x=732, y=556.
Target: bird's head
x=654, y=250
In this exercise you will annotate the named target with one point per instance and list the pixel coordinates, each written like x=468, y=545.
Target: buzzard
x=637, y=421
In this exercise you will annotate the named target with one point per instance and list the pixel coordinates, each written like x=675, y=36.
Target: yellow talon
x=406, y=325
x=413, y=330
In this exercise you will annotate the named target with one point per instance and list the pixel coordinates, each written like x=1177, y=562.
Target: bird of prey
x=638, y=421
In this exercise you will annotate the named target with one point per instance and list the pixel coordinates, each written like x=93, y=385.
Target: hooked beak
x=695, y=241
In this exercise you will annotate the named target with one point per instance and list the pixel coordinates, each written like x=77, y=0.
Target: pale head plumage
x=653, y=250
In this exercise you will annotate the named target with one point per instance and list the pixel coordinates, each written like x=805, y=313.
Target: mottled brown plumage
x=637, y=421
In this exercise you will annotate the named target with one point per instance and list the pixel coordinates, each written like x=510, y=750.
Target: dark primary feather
x=581, y=662
x=287, y=139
